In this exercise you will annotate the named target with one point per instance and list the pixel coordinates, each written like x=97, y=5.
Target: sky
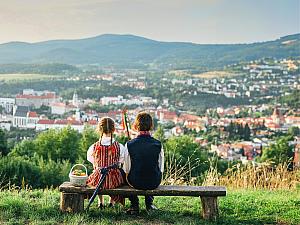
x=198, y=21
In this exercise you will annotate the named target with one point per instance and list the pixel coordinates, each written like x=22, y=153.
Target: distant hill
x=130, y=50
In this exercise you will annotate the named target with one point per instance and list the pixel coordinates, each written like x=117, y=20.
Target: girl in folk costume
x=103, y=153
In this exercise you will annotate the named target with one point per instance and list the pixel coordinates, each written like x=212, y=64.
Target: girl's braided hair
x=106, y=125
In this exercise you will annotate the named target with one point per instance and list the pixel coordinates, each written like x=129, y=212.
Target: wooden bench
x=72, y=198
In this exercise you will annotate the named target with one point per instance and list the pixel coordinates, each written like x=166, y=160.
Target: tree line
x=46, y=159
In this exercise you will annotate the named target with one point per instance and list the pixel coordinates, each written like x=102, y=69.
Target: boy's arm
x=89, y=154
x=161, y=160
x=127, y=161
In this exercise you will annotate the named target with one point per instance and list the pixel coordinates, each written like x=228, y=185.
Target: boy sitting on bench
x=144, y=162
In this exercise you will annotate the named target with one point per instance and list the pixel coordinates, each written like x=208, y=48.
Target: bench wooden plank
x=162, y=190
x=72, y=198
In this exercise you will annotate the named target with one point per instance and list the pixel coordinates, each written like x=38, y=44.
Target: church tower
x=75, y=101
x=276, y=116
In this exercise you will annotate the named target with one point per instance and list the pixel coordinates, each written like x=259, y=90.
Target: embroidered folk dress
x=102, y=156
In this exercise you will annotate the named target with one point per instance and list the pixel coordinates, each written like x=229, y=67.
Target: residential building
x=35, y=99
x=7, y=104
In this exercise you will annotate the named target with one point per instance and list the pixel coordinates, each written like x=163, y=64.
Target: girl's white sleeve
x=122, y=153
x=89, y=154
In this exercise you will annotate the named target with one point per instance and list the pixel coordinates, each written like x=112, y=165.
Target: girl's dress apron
x=105, y=156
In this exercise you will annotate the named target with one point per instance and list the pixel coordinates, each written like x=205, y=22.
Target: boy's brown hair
x=143, y=122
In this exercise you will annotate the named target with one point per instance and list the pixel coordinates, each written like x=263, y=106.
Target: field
x=10, y=77
x=214, y=74
x=239, y=207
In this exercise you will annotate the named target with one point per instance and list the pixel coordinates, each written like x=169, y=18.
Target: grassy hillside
x=239, y=207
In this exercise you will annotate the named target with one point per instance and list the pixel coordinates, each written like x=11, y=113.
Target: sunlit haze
x=199, y=21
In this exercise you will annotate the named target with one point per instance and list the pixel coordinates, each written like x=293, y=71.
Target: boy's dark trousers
x=135, y=200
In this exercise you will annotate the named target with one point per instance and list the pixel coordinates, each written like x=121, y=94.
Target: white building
x=20, y=117
x=5, y=125
x=45, y=124
x=7, y=104
x=119, y=100
x=24, y=118
x=32, y=98
x=61, y=108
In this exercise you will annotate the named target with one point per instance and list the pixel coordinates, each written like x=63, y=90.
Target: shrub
x=53, y=173
x=184, y=152
x=16, y=170
x=36, y=172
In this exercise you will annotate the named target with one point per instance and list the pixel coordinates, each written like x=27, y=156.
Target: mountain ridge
x=128, y=49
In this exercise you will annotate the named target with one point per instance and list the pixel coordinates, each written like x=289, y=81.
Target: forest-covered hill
x=130, y=50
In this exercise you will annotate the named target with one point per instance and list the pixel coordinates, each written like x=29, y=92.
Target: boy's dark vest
x=144, y=152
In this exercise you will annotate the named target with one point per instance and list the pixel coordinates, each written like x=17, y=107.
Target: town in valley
x=242, y=111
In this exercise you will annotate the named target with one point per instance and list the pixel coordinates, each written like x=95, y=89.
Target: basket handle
x=78, y=165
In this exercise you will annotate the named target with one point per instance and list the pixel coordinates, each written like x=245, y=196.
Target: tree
x=279, y=152
x=3, y=143
x=247, y=132
x=60, y=144
x=294, y=131
x=89, y=136
x=68, y=144
x=122, y=139
x=240, y=131
x=185, y=151
x=160, y=134
x=26, y=148
x=47, y=144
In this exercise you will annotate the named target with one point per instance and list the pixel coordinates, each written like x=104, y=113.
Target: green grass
x=239, y=207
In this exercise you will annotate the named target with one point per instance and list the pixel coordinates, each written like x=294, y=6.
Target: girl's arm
x=89, y=154
x=122, y=153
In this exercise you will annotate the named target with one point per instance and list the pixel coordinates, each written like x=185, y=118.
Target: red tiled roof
x=45, y=122
x=45, y=96
x=169, y=115
x=93, y=122
x=32, y=114
x=189, y=117
x=67, y=122
x=272, y=125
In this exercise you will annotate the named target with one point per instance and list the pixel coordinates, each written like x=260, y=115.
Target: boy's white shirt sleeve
x=89, y=154
x=127, y=160
x=161, y=160
x=122, y=153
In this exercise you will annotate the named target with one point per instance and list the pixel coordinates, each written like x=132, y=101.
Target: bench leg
x=210, y=210
x=71, y=202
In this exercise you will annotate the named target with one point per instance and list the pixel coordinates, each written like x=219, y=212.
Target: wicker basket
x=78, y=180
